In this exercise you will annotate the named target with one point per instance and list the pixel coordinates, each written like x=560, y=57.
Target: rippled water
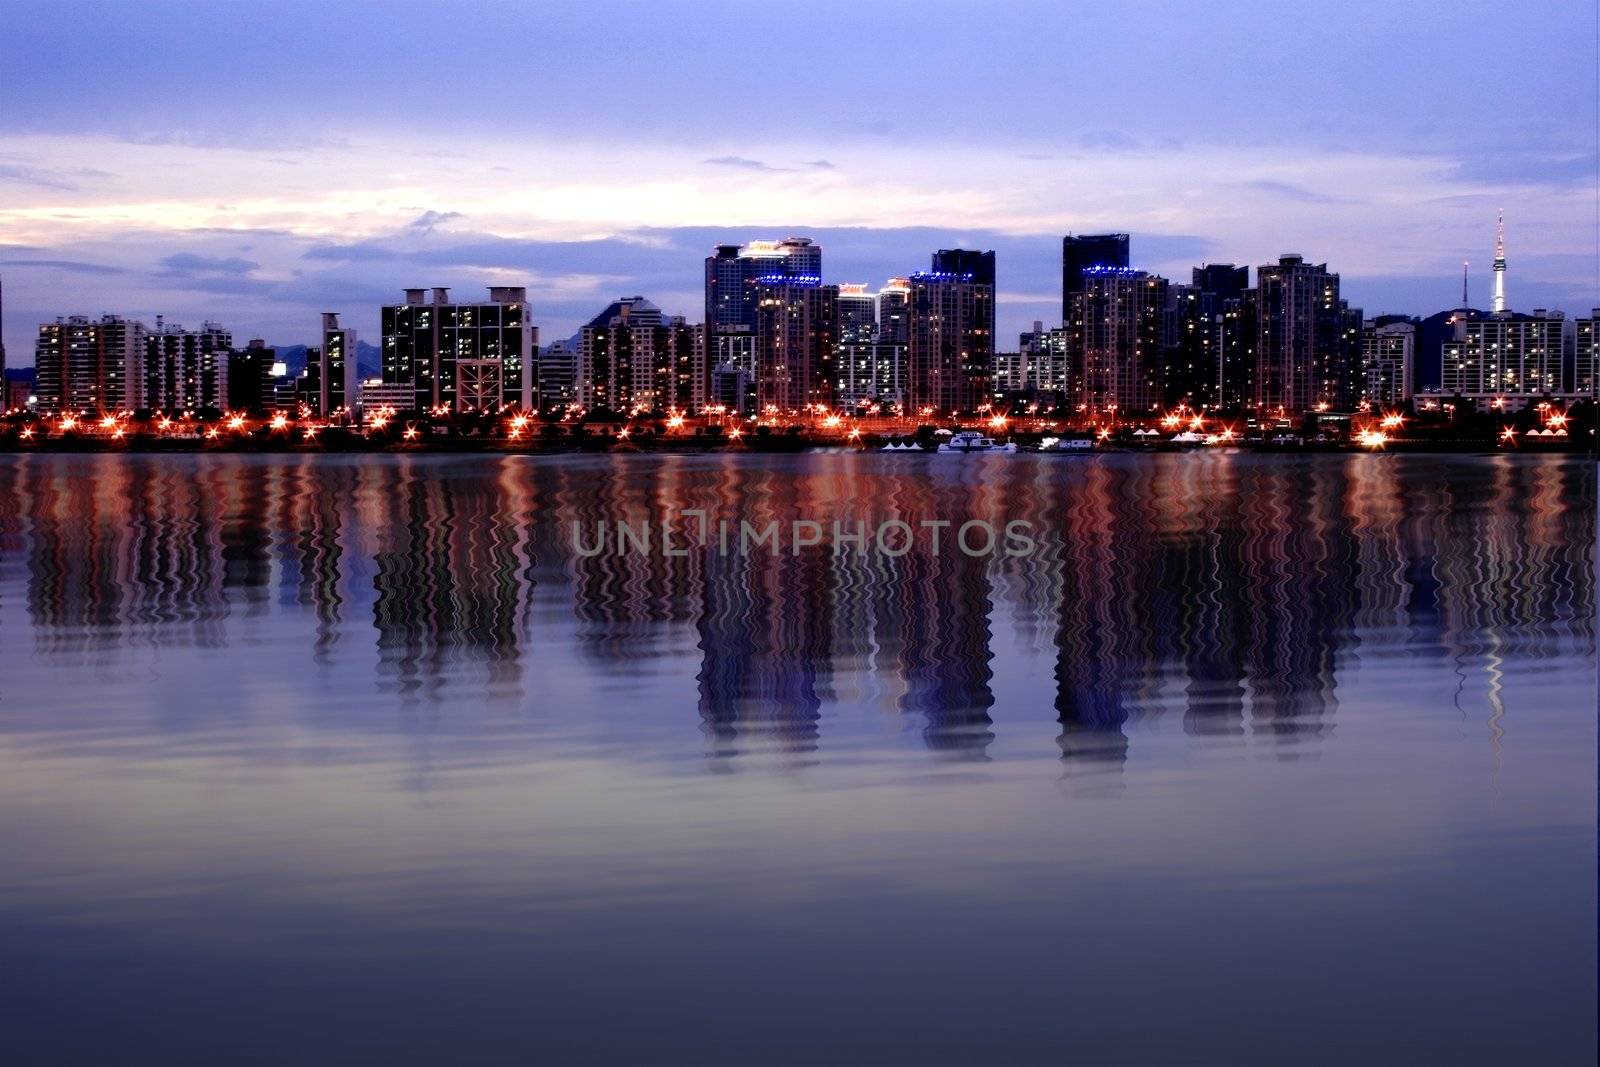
x=360, y=759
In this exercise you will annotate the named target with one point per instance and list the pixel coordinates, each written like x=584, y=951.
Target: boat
x=972, y=441
x=1067, y=446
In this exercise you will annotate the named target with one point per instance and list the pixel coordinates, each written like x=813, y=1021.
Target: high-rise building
x=1080, y=253
x=894, y=311
x=2, y=338
x=858, y=314
x=1506, y=361
x=1116, y=328
x=92, y=366
x=963, y=261
x=630, y=359
x=462, y=356
x=1307, y=339
x=1388, y=358
x=734, y=272
x=337, y=381
x=1199, y=339
x=186, y=370
x=950, y=354
x=1040, y=370
x=796, y=334
x=250, y=377
x=559, y=375
x=1586, y=358
x=870, y=374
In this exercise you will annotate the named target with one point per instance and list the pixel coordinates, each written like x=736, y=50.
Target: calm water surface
x=359, y=759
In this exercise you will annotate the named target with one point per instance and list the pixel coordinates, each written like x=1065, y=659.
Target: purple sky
x=257, y=164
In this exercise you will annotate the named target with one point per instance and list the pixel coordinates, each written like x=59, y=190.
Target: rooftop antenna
x=1464, y=266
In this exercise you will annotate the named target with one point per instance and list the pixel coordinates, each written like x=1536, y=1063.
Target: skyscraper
x=1586, y=358
x=93, y=366
x=1116, y=333
x=250, y=378
x=1388, y=358
x=186, y=370
x=796, y=335
x=630, y=358
x=337, y=380
x=962, y=261
x=858, y=314
x=950, y=355
x=1307, y=339
x=894, y=311
x=462, y=356
x=1080, y=253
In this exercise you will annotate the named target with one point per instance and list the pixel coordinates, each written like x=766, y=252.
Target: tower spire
x=1500, y=263
x=1464, y=266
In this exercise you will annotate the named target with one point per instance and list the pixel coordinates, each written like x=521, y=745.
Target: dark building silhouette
x=1079, y=253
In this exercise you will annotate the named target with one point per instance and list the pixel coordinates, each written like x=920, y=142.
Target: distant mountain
x=369, y=358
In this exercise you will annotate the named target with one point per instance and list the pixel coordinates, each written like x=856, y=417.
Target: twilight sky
x=257, y=163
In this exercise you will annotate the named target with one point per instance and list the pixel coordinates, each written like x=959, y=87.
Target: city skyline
x=332, y=179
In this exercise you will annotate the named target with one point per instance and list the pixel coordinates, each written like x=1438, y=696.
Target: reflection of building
x=90, y=365
x=462, y=356
x=1388, y=354
x=1505, y=361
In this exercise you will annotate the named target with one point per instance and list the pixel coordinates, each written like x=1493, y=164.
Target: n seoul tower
x=1500, y=263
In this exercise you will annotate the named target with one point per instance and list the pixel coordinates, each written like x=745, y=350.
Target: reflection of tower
x=1500, y=263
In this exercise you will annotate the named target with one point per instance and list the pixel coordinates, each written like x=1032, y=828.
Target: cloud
x=47, y=178
x=1526, y=168
x=1110, y=141
x=73, y=265
x=425, y=222
x=1297, y=193
x=741, y=162
x=820, y=164
x=185, y=263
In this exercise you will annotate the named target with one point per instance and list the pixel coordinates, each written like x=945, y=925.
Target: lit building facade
x=1116, y=335
x=90, y=365
x=186, y=370
x=1506, y=361
x=1388, y=363
x=462, y=356
x=338, y=381
x=630, y=358
x=1307, y=339
x=1083, y=252
x=950, y=352
x=796, y=337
